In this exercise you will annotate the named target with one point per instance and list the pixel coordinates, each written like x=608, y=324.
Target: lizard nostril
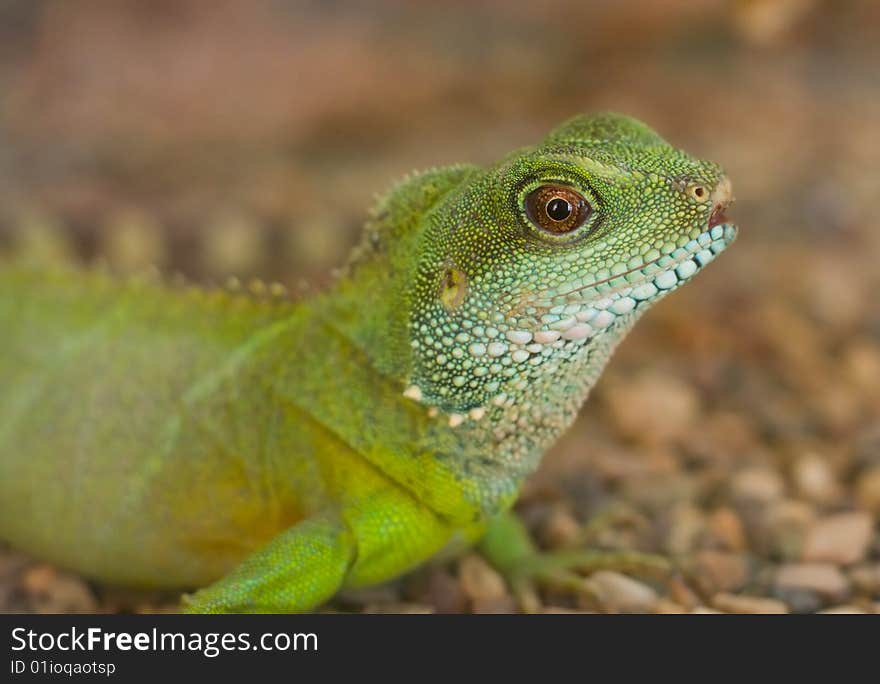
x=697, y=191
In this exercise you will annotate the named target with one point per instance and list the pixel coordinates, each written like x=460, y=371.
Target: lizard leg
x=508, y=546
x=297, y=570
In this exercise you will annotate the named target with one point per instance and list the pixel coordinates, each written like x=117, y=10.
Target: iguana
x=273, y=452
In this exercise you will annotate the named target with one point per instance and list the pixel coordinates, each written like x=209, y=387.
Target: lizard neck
x=488, y=439
x=372, y=301
x=490, y=428
x=514, y=428
x=369, y=306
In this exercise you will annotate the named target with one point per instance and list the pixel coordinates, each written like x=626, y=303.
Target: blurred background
x=738, y=429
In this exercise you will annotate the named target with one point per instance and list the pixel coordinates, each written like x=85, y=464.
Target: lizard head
x=531, y=271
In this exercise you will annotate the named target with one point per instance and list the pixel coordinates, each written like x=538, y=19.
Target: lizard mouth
x=718, y=234
x=576, y=314
x=718, y=218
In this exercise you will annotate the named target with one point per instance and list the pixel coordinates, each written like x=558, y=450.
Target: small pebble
x=759, y=484
x=445, y=592
x=862, y=362
x=55, y=591
x=866, y=578
x=479, y=581
x=814, y=479
x=842, y=538
x=868, y=490
x=682, y=594
x=784, y=527
x=686, y=526
x=653, y=408
x=619, y=593
x=799, y=600
x=719, y=571
x=824, y=578
x=727, y=527
x=560, y=528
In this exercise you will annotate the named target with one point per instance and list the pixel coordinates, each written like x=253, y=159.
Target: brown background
x=737, y=428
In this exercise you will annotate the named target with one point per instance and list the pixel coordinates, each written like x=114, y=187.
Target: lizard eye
x=557, y=209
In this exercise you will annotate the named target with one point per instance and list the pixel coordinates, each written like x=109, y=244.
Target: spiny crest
x=398, y=212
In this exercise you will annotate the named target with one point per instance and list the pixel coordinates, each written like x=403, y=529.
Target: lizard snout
x=722, y=198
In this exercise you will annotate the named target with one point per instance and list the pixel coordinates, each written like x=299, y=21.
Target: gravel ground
x=737, y=431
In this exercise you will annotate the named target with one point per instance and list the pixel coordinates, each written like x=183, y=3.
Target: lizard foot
x=567, y=571
x=509, y=548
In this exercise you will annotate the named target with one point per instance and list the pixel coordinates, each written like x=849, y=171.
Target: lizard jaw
x=587, y=311
x=700, y=250
x=568, y=327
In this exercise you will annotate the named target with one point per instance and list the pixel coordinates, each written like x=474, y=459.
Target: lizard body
x=274, y=452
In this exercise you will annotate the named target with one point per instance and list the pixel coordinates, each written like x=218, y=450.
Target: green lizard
x=275, y=452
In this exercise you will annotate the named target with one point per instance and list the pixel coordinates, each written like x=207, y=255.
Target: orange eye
x=557, y=209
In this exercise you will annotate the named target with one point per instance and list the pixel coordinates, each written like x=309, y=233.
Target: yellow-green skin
x=275, y=452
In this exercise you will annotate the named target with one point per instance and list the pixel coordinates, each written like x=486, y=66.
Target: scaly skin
x=275, y=452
